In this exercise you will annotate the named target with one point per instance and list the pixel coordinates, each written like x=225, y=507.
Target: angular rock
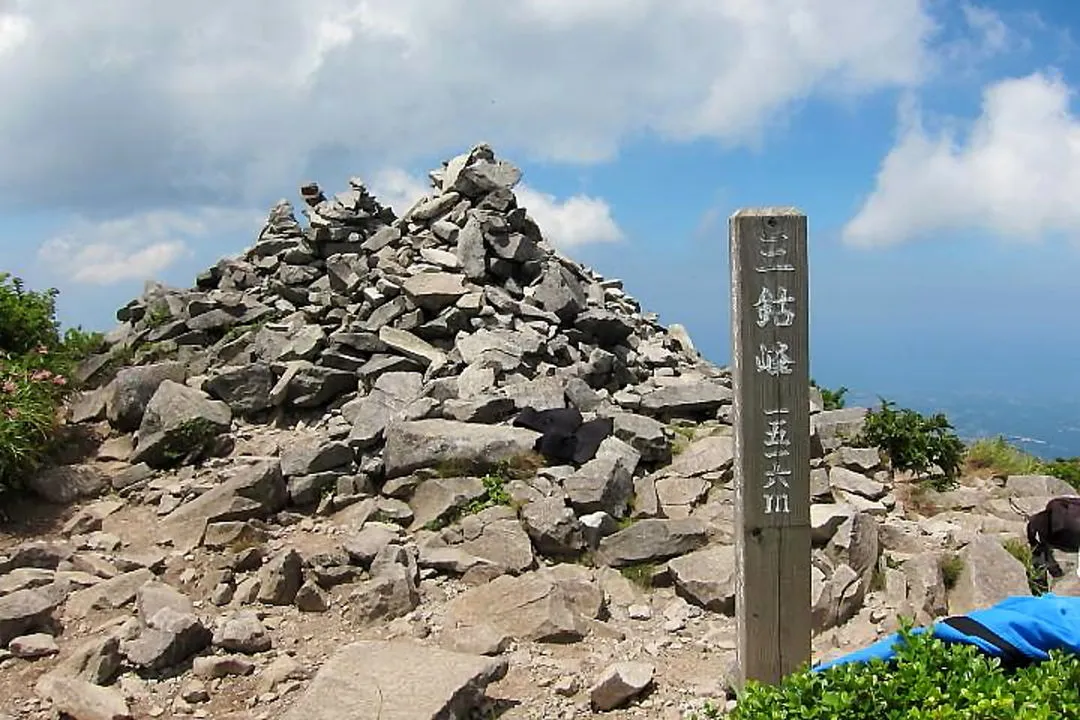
x=712, y=454
x=178, y=420
x=602, y=484
x=312, y=455
x=414, y=445
x=169, y=638
x=252, y=491
x=831, y=428
x=132, y=389
x=438, y=498
x=553, y=527
x=280, y=579
x=989, y=575
x=396, y=679
x=645, y=435
x=33, y=646
x=113, y=593
x=619, y=683
x=840, y=478
x=1038, y=486
x=65, y=484
x=365, y=545
x=501, y=542
x=541, y=606
x=387, y=402
x=707, y=578
x=435, y=291
x=690, y=400
x=652, y=540
x=242, y=632
x=26, y=611
x=406, y=344
x=82, y=700
x=245, y=389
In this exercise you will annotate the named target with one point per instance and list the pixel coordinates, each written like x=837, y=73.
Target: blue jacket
x=1017, y=630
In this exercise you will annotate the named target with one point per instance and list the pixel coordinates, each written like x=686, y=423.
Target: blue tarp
x=1032, y=625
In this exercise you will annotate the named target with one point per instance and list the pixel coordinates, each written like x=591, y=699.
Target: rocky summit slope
x=298, y=490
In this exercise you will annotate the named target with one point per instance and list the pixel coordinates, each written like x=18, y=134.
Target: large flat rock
x=420, y=444
x=396, y=680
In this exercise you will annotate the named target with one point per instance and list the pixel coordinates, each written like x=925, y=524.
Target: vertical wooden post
x=770, y=342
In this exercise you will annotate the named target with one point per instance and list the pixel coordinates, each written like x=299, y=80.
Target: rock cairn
x=323, y=428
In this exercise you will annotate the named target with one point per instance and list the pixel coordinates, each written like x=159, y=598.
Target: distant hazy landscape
x=1045, y=427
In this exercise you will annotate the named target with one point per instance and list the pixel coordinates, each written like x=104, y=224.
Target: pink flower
x=59, y=380
x=40, y=375
x=12, y=413
x=9, y=387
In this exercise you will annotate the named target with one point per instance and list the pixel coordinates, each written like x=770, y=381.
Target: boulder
x=989, y=575
x=178, y=421
x=413, y=445
x=652, y=540
x=397, y=679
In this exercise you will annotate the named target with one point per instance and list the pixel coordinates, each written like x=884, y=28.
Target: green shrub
x=1000, y=457
x=951, y=566
x=1038, y=582
x=831, y=399
x=36, y=367
x=1067, y=469
x=27, y=317
x=915, y=443
x=929, y=680
x=1003, y=458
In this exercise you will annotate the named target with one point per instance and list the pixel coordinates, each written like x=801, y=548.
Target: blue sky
x=935, y=147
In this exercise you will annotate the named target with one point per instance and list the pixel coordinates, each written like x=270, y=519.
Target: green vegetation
x=36, y=367
x=1037, y=579
x=831, y=399
x=157, y=315
x=1001, y=458
x=191, y=438
x=951, y=566
x=519, y=467
x=929, y=680
x=641, y=574
x=683, y=436
x=915, y=443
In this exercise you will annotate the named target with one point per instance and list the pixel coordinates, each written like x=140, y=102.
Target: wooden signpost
x=769, y=295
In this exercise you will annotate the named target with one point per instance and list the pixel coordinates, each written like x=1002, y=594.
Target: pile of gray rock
x=317, y=442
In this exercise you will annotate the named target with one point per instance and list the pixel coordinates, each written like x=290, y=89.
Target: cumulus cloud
x=125, y=103
x=577, y=220
x=136, y=247
x=398, y=189
x=573, y=221
x=1013, y=174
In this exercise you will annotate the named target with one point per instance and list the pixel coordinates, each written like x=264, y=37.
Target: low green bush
x=1067, y=469
x=36, y=367
x=915, y=443
x=831, y=399
x=1002, y=458
x=929, y=680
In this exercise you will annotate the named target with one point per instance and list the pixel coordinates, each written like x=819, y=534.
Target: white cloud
x=992, y=32
x=1015, y=174
x=137, y=247
x=108, y=104
x=577, y=220
x=398, y=189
